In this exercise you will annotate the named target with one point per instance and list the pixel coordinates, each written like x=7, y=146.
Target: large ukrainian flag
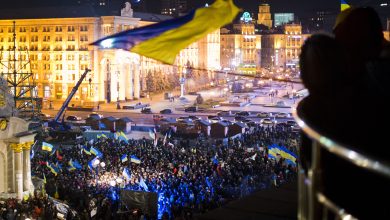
x=163, y=41
x=344, y=5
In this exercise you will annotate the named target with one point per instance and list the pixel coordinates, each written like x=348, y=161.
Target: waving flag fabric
x=124, y=158
x=126, y=173
x=163, y=41
x=86, y=151
x=135, y=159
x=290, y=157
x=344, y=5
x=47, y=146
x=52, y=168
x=96, y=152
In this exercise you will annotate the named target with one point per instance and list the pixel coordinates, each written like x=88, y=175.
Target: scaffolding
x=16, y=70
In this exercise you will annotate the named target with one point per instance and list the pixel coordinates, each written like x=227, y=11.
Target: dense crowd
x=34, y=207
x=189, y=176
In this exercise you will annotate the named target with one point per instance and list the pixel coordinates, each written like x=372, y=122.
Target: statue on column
x=127, y=11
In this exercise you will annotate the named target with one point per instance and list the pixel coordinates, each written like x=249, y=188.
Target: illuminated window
x=58, y=29
x=70, y=28
x=34, y=29
x=71, y=38
x=83, y=38
x=70, y=48
x=46, y=38
x=58, y=38
x=46, y=91
x=84, y=28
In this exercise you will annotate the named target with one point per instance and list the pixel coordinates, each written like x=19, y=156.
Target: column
x=26, y=166
x=137, y=85
x=129, y=81
x=17, y=148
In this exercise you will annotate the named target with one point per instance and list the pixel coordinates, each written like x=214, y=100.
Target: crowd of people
x=189, y=176
x=33, y=207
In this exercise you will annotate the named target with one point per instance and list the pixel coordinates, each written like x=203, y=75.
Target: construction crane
x=56, y=124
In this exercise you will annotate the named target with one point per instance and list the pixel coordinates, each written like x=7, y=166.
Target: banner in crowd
x=275, y=150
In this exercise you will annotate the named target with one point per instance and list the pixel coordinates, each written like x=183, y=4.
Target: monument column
x=26, y=166
x=129, y=81
x=17, y=148
x=137, y=85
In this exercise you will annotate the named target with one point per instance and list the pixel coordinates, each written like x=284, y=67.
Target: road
x=260, y=99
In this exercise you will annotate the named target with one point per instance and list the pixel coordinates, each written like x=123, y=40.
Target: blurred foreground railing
x=332, y=180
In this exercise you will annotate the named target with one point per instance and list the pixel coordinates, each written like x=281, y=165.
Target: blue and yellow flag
x=96, y=152
x=289, y=156
x=86, y=151
x=344, y=5
x=124, y=158
x=52, y=168
x=135, y=159
x=163, y=41
x=47, y=146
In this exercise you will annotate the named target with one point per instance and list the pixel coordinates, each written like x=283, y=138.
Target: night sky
x=302, y=8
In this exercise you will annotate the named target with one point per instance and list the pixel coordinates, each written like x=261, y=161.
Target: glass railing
x=316, y=199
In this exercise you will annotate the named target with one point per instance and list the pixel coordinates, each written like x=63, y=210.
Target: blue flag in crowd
x=124, y=158
x=32, y=153
x=135, y=159
x=126, y=173
x=91, y=162
x=143, y=184
x=96, y=152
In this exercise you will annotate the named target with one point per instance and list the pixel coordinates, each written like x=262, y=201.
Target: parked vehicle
x=224, y=113
x=95, y=114
x=243, y=113
x=282, y=115
x=166, y=111
x=263, y=115
x=73, y=118
x=146, y=110
x=267, y=121
x=191, y=109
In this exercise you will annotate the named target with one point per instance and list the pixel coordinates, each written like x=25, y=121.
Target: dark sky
x=302, y=8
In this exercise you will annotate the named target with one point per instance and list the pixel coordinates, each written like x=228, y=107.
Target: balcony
x=338, y=181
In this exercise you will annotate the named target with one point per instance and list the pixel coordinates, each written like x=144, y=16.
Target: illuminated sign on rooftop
x=246, y=17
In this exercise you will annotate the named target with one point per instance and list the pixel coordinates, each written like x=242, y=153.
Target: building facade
x=264, y=15
x=283, y=18
x=173, y=7
x=281, y=50
x=241, y=47
x=59, y=53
